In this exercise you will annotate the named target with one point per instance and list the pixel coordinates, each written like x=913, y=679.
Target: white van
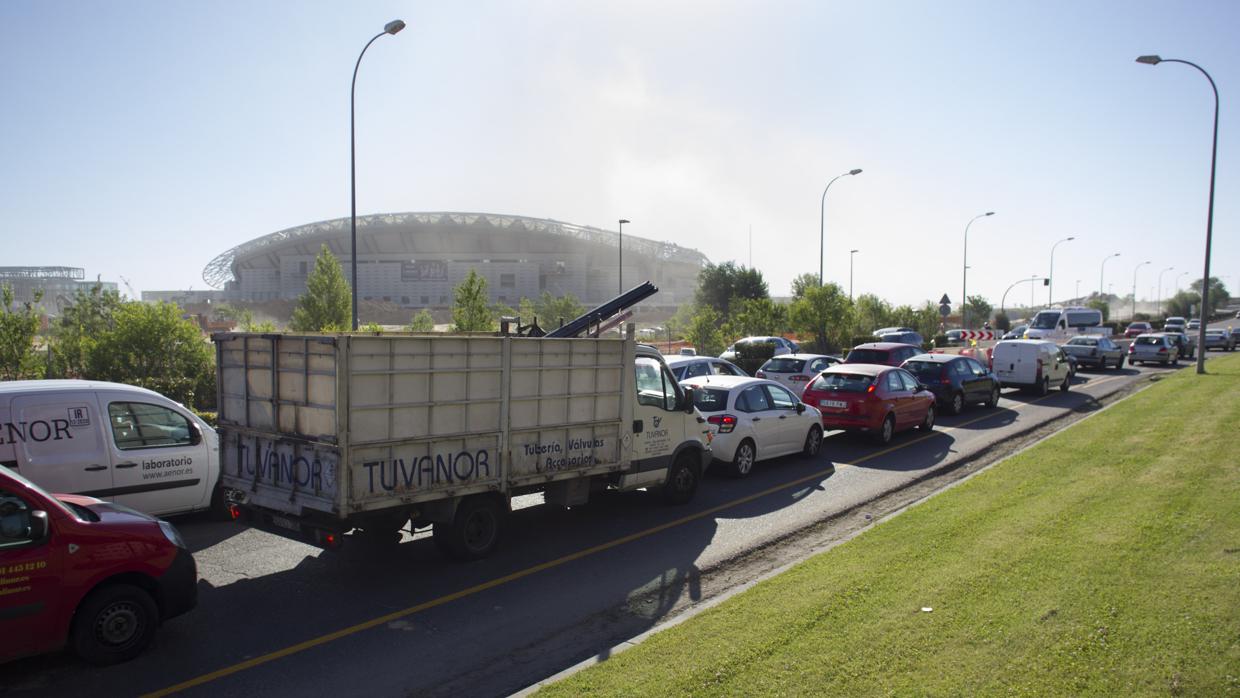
x=119, y=443
x=1062, y=324
x=1032, y=364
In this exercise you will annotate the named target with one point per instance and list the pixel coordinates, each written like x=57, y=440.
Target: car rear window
x=1147, y=341
x=842, y=382
x=710, y=399
x=867, y=356
x=923, y=369
x=1084, y=341
x=782, y=365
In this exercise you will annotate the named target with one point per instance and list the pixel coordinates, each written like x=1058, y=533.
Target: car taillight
x=943, y=377
x=760, y=374
x=1038, y=375
x=870, y=389
x=725, y=422
x=799, y=378
x=1162, y=350
x=1132, y=347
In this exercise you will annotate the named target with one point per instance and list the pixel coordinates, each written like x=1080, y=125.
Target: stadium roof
x=220, y=270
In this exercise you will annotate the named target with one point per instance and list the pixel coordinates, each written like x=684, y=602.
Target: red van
x=77, y=571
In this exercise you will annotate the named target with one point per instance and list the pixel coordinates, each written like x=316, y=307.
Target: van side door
x=30, y=580
x=58, y=442
x=159, y=456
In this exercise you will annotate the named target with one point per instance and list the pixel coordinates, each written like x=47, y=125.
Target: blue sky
x=142, y=139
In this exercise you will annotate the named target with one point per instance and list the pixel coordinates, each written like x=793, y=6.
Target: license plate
x=837, y=404
x=284, y=523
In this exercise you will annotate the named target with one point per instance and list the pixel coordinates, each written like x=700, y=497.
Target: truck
x=1062, y=324
x=323, y=434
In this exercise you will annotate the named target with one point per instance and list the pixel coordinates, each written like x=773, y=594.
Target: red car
x=1137, y=328
x=880, y=400
x=884, y=353
x=81, y=572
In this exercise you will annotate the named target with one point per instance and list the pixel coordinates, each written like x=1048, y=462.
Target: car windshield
x=867, y=356
x=710, y=399
x=842, y=382
x=923, y=369
x=1147, y=341
x=1084, y=341
x=1139, y=325
x=782, y=365
x=1045, y=320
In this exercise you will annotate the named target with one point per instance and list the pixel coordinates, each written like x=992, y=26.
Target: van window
x=14, y=521
x=1084, y=318
x=140, y=425
x=1045, y=320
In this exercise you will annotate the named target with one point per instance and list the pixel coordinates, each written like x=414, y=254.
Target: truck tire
x=475, y=530
x=682, y=479
x=114, y=624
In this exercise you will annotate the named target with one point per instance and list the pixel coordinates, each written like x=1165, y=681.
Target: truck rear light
x=234, y=512
x=725, y=422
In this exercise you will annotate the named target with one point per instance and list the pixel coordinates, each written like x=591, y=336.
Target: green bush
x=940, y=340
x=751, y=355
x=211, y=418
x=861, y=339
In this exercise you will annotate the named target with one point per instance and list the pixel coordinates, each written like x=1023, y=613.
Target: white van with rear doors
x=1032, y=364
x=119, y=443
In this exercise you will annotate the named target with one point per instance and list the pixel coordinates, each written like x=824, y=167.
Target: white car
x=693, y=366
x=754, y=419
x=795, y=371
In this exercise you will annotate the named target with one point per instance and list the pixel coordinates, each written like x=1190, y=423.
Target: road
x=279, y=617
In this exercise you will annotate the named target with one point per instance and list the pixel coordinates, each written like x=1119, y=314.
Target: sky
x=140, y=139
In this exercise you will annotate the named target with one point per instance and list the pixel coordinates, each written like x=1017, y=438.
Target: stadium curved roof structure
x=221, y=270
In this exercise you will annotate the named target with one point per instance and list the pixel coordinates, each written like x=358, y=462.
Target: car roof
x=726, y=382
x=937, y=358
x=885, y=346
x=806, y=357
x=863, y=369
x=43, y=386
x=677, y=359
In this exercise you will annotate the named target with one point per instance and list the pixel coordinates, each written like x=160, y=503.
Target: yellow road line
x=520, y=574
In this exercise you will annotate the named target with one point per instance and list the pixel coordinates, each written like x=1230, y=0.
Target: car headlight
x=170, y=532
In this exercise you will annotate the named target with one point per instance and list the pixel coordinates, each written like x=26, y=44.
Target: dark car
x=1187, y=343
x=955, y=380
x=882, y=353
x=903, y=337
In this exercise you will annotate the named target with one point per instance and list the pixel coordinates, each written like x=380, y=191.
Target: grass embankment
x=1105, y=560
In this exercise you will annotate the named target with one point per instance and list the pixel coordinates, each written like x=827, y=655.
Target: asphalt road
x=277, y=617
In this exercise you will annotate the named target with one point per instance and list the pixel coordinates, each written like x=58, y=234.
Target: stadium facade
x=56, y=285
x=417, y=259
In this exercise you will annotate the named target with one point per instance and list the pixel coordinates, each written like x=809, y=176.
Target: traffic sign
x=945, y=300
x=945, y=310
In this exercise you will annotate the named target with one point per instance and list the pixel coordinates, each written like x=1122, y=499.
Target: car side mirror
x=800, y=407
x=195, y=434
x=922, y=386
x=38, y=525
x=687, y=405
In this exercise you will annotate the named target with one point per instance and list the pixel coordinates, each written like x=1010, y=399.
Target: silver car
x=692, y=366
x=1219, y=339
x=1099, y=352
x=795, y=371
x=1153, y=348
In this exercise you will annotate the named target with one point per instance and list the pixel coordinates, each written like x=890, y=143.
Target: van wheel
x=957, y=403
x=682, y=479
x=1044, y=387
x=886, y=431
x=1063, y=387
x=813, y=442
x=993, y=400
x=742, y=462
x=475, y=530
x=114, y=624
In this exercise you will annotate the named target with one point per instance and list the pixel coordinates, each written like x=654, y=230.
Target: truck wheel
x=742, y=462
x=114, y=624
x=813, y=442
x=1044, y=387
x=474, y=531
x=682, y=479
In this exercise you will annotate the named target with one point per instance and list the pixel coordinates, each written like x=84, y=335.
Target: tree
x=422, y=322
x=824, y=312
x=1002, y=321
x=19, y=323
x=150, y=345
x=756, y=316
x=872, y=313
x=1101, y=306
x=978, y=310
x=1218, y=294
x=1183, y=304
x=925, y=319
x=554, y=308
x=81, y=323
x=326, y=306
x=470, y=310
x=718, y=285
x=704, y=332
x=802, y=282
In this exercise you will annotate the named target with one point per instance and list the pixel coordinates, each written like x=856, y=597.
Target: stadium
x=416, y=259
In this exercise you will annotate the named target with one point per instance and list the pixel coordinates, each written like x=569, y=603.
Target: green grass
x=1103, y=561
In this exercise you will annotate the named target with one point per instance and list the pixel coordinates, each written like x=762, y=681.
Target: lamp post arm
x=822, y=217
x=353, y=179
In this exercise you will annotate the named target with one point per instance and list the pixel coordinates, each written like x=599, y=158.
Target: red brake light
x=725, y=422
x=234, y=512
x=870, y=389
x=799, y=378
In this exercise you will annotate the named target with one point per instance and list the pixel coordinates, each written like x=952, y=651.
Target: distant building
x=58, y=284
x=417, y=259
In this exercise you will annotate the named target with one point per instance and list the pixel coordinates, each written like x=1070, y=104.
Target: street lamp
x=1102, y=287
x=620, y=267
x=1078, y=289
x=964, y=284
x=1205, y=275
x=390, y=28
x=1160, y=290
x=1134, y=288
x=1050, y=278
x=1003, y=301
x=850, y=273
x=822, y=216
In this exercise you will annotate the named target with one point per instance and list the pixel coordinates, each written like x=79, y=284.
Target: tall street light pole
x=1134, y=289
x=1003, y=301
x=1050, y=278
x=822, y=217
x=964, y=284
x=1160, y=290
x=1205, y=275
x=1078, y=289
x=850, y=273
x=1101, y=274
x=620, y=264
x=390, y=28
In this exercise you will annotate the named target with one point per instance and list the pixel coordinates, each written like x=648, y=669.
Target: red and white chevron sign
x=978, y=334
